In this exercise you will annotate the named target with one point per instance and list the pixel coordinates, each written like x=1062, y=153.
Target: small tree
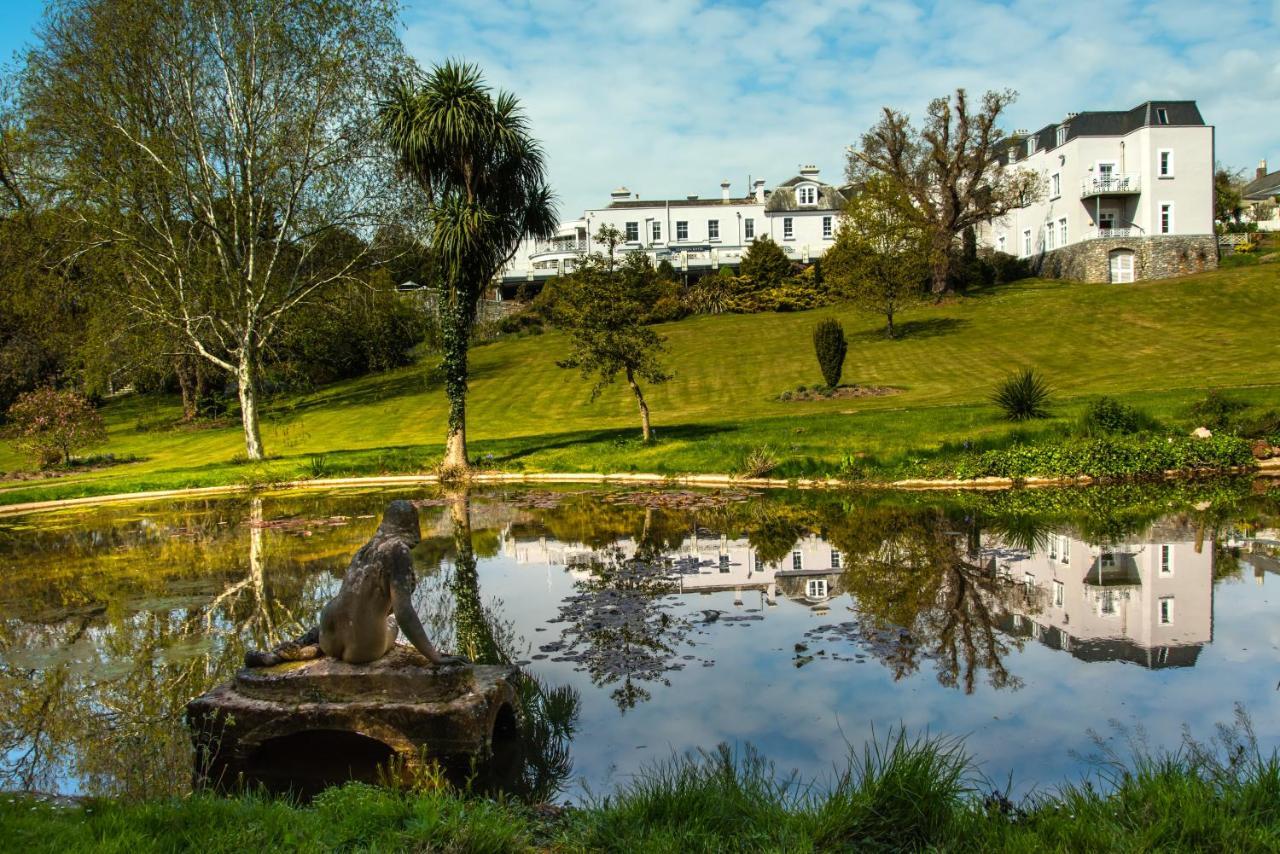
x=600, y=307
x=880, y=259
x=765, y=263
x=49, y=425
x=1228, y=200
x=830, y=347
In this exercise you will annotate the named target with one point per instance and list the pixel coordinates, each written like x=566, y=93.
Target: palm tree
x=484, y=178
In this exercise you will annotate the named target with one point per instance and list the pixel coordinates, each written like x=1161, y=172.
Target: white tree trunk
x=246, y=378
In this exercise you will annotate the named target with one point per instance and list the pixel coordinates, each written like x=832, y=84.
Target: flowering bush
x=49, y=425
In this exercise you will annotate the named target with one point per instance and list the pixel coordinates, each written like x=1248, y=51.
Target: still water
x=1040, y=626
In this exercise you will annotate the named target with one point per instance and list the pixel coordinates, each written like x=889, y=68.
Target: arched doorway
x=1120, y=262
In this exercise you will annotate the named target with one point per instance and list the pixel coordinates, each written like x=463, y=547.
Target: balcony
x=560, y=246
x=1126, y=231
x=1111, y=185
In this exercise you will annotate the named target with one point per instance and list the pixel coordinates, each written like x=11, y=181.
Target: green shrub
x=1106, y=415
x=765, y=263
x=757, y=461
x=1215, y=410
x=1108, y=457
x=1023, y=396
x=830, y=346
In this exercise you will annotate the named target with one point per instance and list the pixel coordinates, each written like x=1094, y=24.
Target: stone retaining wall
x=1154, y=257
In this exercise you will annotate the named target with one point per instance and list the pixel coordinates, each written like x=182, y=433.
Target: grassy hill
x=1158, y=345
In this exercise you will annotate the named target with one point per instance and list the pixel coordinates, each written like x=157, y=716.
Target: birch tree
x=213, y=147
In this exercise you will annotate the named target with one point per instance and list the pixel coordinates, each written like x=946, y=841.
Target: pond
x=1041, y=626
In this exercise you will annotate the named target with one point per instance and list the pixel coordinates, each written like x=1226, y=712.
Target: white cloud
x=671, y=96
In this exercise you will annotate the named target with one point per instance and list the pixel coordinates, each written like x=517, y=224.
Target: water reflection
x=701, y=617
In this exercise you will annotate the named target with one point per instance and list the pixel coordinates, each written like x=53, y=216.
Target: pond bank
x=1264, y=468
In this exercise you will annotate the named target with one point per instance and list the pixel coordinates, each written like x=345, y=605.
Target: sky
x=669, y=97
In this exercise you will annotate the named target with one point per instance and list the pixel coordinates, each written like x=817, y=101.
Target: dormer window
x=1062, y=134
x=1162, y=116
x=807, y=195
x=1031, y=145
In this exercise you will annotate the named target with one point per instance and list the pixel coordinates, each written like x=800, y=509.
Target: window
x=1108, y=601
x=788, y=232
x=1166, y=218
x=1166, y=611
x=1062, y=231
x=724, y=563
x=1108, y=560
x=633, y=231
x=1059, y=594
x=797, y=560
x=835, y=559
x=713, y=229
x=1048, y=236
x=808, y=195
x=1000, y=243
x=816, y=588
x=1066, y=550
x=826, y=227
x=1162, y=116
x=1031, y=145
x=1166, y=163
x=1055, y=185
x=1026, y=242
x=1062, y=134
x=749, y=228
x=657, y=231
x=1166, y=560
x=682, y=229
x=1053, y=547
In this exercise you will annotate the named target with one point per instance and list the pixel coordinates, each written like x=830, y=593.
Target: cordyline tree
x=212, y=147
x=949, y=167
x=483, y=177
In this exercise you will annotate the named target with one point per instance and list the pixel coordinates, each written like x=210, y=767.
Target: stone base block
x=304, y=725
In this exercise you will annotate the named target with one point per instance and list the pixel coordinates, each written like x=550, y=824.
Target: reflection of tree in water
x=537, y=765
x=923, y=592
x=618, y=626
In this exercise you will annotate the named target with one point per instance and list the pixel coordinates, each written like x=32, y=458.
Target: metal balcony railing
x=1124, y=231
x=1110, y=185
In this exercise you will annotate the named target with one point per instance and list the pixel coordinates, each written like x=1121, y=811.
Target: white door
x=1122, y=266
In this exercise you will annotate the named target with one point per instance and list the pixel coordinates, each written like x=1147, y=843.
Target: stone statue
x=359, y=625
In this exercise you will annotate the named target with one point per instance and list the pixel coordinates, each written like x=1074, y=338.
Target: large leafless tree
x=217, y=149
x=950, y=166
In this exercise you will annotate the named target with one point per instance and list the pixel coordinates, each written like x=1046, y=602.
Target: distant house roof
x=680, y=203
x=783, y=198
x=1263, y=189
x=1108, y=123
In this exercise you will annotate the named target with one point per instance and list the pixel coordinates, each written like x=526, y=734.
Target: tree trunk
x=456, y=335
x=247, y=380
x=888, y=328
x=940, y=264
x=183, y=368
x=644, y=407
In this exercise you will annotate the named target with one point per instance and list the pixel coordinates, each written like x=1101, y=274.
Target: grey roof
x=680, y=203
x=783, y=198
x=1108, y=123
x=1264, y=188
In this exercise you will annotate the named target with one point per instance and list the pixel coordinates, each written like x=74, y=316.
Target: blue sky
x=669, y=97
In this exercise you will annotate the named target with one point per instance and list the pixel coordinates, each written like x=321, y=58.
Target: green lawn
x=1158, y=345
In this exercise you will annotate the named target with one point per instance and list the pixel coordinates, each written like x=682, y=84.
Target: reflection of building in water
x=713, y=563
x=1148, y=599
x=1258, y=550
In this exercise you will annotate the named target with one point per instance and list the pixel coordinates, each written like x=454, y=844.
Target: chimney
x=1262, y=170
x=724, y=190
x=620, y=194
x=809, y=171
x=757, y=190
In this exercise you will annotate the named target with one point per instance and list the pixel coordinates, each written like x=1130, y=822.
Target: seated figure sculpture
x=359, y=625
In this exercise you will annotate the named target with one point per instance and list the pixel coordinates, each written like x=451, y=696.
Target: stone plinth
x=303, y=725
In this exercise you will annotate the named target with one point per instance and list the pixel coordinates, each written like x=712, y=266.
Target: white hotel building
x=695, y=235
x=1128, y=195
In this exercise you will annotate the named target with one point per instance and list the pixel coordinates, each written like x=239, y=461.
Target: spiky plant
x=1022, y=396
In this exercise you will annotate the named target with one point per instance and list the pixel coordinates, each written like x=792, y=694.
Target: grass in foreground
x=900, y=795
x=1158, y=345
